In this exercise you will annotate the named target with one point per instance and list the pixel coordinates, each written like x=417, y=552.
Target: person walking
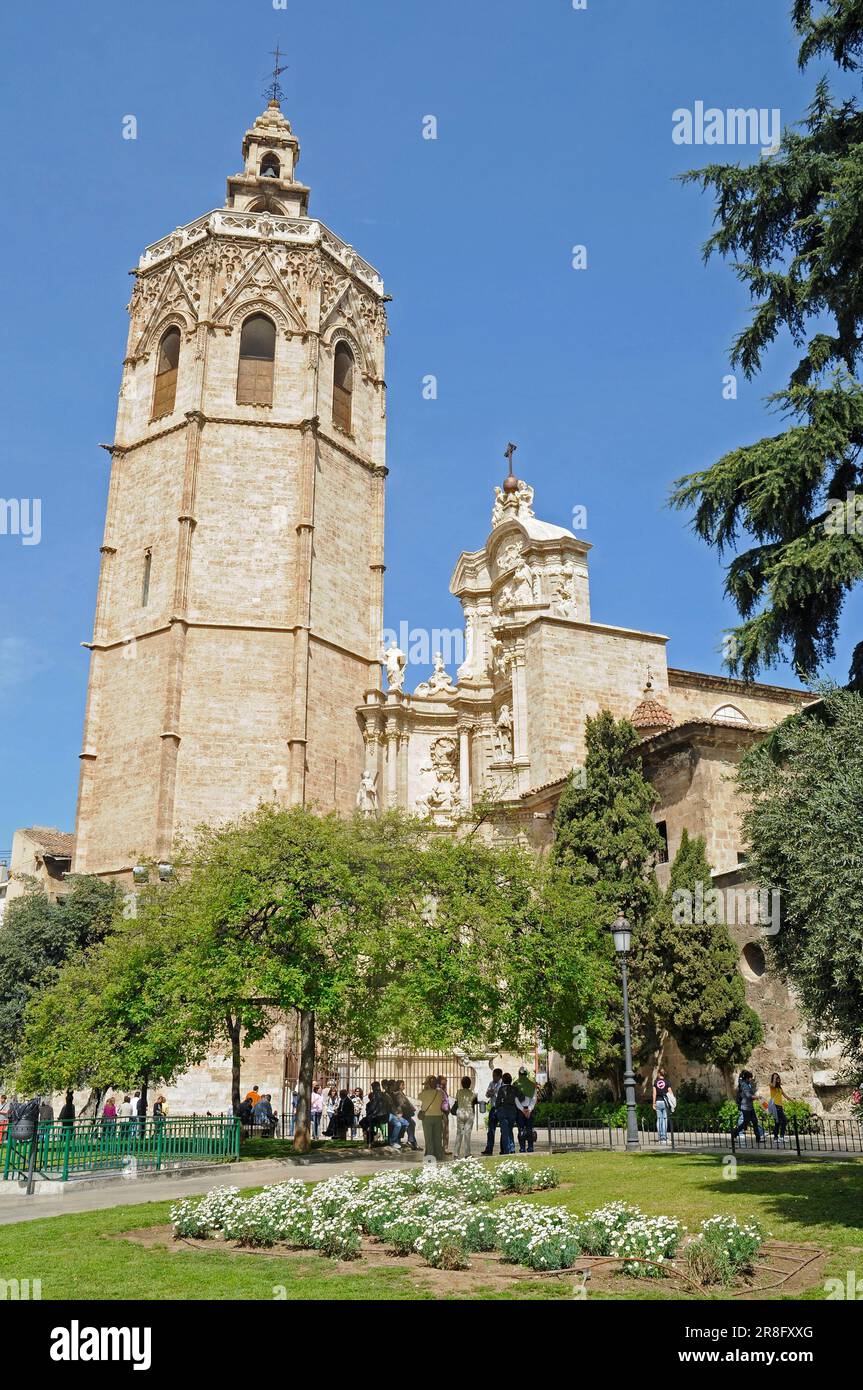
x=776, y=1108
x=331, y=1105
x=4, y=1115
x=431, y=1115
x=661, y=1089
x=491, y=1096
x=507, y=1113
x=160, y=1110
x=746, y=1091
x=525, y=1100
x=46, y=1113
x=343, y=1119
x=464, y=1109
x=109, y=1113
x=67, y=1114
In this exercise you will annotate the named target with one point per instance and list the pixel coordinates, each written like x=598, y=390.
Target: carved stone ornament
x=439, y=682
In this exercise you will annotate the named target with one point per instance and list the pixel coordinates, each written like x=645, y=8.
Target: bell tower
x=239, y=606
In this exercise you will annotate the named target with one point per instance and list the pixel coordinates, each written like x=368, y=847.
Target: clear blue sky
x=554, y=129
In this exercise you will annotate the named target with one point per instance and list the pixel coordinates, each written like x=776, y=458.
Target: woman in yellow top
x=777, y=1103
x=431, y=1114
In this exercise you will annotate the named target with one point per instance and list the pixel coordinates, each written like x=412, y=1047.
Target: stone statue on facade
x=367, y=795
x=395, y=662
x=503, y=735
x=563, y=601
x=439, y=682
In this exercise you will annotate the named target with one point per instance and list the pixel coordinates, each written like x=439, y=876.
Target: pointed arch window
x=343, y=386
x=257, y=359
x=167, y=364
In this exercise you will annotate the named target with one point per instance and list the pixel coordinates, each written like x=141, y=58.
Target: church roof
x=650, y=714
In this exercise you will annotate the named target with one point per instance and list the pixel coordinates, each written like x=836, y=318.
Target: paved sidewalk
x=15, y=1206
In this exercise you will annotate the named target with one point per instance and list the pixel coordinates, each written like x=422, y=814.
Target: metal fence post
x=796, y=1134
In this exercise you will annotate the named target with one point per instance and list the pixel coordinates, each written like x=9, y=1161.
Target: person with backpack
x=746, y=1089
x=662, y=1104
x=507, y=1113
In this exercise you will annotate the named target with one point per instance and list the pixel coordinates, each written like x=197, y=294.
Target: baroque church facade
x=236, y=653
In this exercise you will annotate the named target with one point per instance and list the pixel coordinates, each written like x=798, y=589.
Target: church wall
x=573, y=671
x=291, y=380
x=763, y=706
x=146, y=498
x=244, y=542
x=344, y=548
x=233, y=723
x=127, y=696
x=334, y=753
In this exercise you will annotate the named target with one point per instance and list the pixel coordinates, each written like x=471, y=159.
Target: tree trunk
x=233, y=1027
x=90, y=1108
x=144, y=1084
x=302, y=1131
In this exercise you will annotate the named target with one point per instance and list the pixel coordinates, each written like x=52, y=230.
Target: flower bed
x=444, y=1213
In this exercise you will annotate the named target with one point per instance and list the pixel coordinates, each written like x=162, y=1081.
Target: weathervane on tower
x=273, y=90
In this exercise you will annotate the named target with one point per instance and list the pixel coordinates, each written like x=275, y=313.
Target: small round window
x=754, y=962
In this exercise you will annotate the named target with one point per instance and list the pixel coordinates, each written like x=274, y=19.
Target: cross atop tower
x=510, y=482
x=273, y=90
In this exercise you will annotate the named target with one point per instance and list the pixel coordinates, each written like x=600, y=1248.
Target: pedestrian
x=160, y=1110
x=67, y=1113
x=525, y=1100
x=491, y=1096
x=431, y=1114
x=4, y=1115
x=317, y=1110
x=141, y=1112
x=746, y=1090
x=109, y=1111
x=661, y=1090
x=507, y=1113
x=447, y=1107
x=776, y=1108
x=46, y=1112
x=378, y=1112
x=464, y=1108
x=407, y=1110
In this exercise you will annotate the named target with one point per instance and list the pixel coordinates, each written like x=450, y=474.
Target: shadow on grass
x=814, y=1192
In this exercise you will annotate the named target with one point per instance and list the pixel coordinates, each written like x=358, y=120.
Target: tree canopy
x=805, y=829
x=792, y=226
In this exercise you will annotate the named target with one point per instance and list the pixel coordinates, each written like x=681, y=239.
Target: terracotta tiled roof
x=650, y=714
x=59, y=844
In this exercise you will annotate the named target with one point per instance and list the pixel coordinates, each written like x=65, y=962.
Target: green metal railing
x=65, y=1150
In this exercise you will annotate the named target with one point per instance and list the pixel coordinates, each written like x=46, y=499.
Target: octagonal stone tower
x=239, y=605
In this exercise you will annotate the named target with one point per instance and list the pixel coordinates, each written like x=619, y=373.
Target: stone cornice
x=228, y=626
x=698, y=680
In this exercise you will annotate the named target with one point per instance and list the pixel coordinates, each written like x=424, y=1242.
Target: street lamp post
x=622, y=934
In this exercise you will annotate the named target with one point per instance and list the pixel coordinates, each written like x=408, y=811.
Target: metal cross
x=508, y=453
x=274, y=89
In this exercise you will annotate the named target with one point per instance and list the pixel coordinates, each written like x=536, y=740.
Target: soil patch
x=780, y=1267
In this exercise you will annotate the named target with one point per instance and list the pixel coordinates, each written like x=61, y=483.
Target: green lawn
x=79, y=1256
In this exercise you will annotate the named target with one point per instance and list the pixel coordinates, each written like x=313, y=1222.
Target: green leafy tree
x=805, y=829
x=606, y=842
x=793, y=226
x=37, y=936
x=695, y=990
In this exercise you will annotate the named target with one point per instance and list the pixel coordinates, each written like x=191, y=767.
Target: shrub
x=651, y=1238
x=545, y=1178
x=723, y=1249
x=513, y=1176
